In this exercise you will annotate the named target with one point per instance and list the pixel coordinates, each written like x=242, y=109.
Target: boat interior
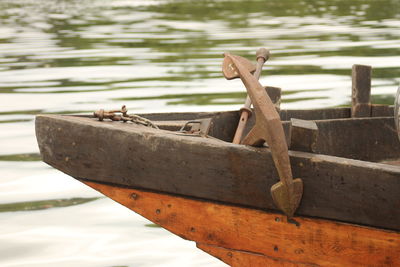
x=324, y=131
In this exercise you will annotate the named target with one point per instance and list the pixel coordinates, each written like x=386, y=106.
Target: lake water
x=156, y=56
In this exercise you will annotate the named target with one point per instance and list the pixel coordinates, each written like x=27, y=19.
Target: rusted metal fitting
x=199, y=127
x=124, y=111
x=110, y=114
x=102, y=114
x=187, y=123
x=99, y=114
x=124, y=116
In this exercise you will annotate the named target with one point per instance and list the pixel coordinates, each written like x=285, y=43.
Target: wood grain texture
x=286, y=115
x=237, y=258
x=306, y=241
x=135, y=156
x=381, y=110
x=303, y=135
x=361, y=91
x=371, y=139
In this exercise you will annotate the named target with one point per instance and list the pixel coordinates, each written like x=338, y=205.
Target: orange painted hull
x=249, y=237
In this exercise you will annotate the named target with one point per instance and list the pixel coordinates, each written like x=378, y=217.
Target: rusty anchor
x=262, y=56
x=287, y=193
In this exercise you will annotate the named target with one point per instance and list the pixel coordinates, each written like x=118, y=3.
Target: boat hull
x=244, y=237
x=135, y=156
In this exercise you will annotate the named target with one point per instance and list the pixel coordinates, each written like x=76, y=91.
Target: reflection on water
x=21, y=157
x=158, y=56
x=43, y=204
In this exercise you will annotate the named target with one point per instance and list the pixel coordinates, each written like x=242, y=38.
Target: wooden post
x=361, y=90
x=303, y=135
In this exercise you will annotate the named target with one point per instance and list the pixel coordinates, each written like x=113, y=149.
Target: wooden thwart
x=304, y=242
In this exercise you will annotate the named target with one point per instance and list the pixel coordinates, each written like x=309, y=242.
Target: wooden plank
x=303, y=135
x=316, y=114
x=381, y=111
x=137, y=156
x=370, y=139
x=304, y=114
x=224, y=126
x=304, y=240
x=237, y=258
x=361, y=91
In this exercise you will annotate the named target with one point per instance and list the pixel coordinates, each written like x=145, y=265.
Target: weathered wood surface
x=361, y=91
x=378, y=110
x=371, y=139
x=136, y=156
x=286, y=115
x=229, y=119
x=219, y=228
x=238, y=258
x=303, y=135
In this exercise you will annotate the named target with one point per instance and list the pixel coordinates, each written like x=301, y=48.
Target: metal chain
x=123, y=116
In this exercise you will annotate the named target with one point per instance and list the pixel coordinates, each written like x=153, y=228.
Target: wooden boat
x=206, y=189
